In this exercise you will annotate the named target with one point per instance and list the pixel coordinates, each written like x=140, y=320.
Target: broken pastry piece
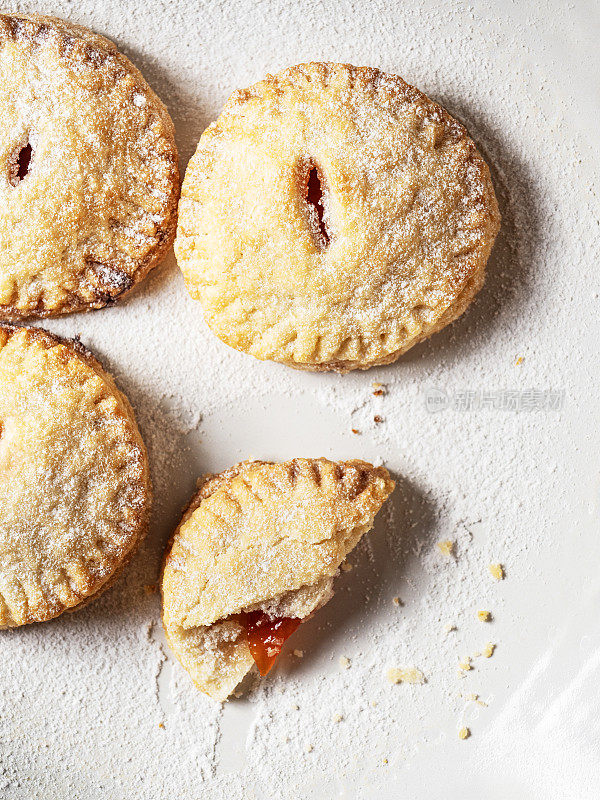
x=255, y=555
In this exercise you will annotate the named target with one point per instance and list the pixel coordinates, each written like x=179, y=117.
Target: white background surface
x=92, y=705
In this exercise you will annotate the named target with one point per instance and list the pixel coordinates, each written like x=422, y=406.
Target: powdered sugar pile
x=497, y=455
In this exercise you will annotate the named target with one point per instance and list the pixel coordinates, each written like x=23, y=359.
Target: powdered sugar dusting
x=480, y=455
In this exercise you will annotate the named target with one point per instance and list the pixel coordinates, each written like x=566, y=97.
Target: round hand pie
x=74, y=482
x=89, y=180
x=332, y=217
x=256, y=554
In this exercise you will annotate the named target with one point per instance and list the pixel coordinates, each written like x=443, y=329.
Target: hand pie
x=256, y=554
x=332, y=217
x=74, y=481
x=89, y=180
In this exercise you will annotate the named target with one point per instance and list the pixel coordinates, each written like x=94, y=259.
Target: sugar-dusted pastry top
x=332, y=217
x=89, y=180
x=261, y=536
x=74, y=480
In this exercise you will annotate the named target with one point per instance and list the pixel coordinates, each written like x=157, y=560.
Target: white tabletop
x=93, y=705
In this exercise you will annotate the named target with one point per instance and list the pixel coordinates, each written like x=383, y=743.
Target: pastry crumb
x=309, y=748
x=397, y=602
x=446, y=547
x=346, y=567
x=161, y=724
x=411, y=675
x=377, y=419
x=465, y=664
x=355, y=430
x=449, y=627
x=488, y=650
x=519, y=361
x=344, y=662
x=496, y=571
x=150, y=588
x=484, y=616
x=299, y=653
x=338, y=717
x=464, y=733
x=474, y=697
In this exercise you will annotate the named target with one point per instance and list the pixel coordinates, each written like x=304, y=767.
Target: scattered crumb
x=464, y=733
x=496, y=571
x=377, y=419
x=378, y=385
x=410, y=675
x=385, y=761
x=484, y=616
x=488, y=650
x=299, y=653
x=397, y=602
x=309, y=748
x=161, y=724
x=295, y=707
x=449, y=627
x=344, y=662
x=150, y=588
x=346, y=567
x=379, y=392
x=519, y=360
x=475, y=699
x=338, y=717
x=446, y=547
x=465, y=664
x=355, y=430
x=374, y=703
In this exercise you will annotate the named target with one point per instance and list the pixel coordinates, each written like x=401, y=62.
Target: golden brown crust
x=408, y=207
x=74, y=480
x=260, y=535
x=97, y=209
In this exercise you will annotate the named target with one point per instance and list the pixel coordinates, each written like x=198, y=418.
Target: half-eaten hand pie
x=74, y=479
x=256, y=554
x=332, y=217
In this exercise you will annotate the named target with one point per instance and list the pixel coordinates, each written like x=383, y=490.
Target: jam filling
x=314, y=196
x=265, y=636
x=24, y=161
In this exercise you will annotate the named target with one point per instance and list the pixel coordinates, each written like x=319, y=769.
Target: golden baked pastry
x=255, y=554
x=74, y=481
x=90, y=184
x=332, y=217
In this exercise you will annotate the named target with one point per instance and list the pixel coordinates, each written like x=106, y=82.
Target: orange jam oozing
x=265, y=636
